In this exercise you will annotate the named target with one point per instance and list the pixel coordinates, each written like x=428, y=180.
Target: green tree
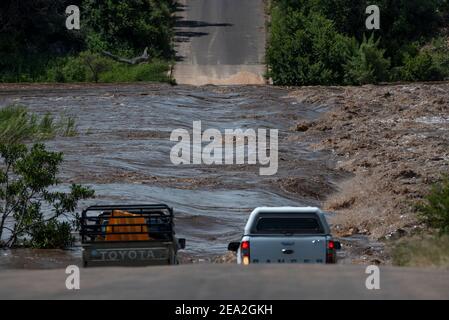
x=367, y=64
x=34, y=42
x=127, y=27
x=348, y=15
x=32, y=32
x=296, y=25
x=95, y=63
x=27, y=177
x=407, y=21
x=428, y=63
x=305, y=49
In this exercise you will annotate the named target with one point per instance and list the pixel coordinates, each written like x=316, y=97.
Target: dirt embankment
x=394, y=139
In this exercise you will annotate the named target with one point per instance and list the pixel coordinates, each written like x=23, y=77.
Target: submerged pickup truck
x=286, y=235
x=136, y=235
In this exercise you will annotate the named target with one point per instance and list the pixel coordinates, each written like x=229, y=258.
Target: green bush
x=440, y=48
x=305, y=49
x=420, y=68
x=74, y=70
x=434, y=211
x=95, y=64
x=18, y=125
x=50, y=235
x=119, y=72
x=367, y=64
x=87, y=66
x=402, y=21
x=54, y=72
x=430, y=63
x=95, y=67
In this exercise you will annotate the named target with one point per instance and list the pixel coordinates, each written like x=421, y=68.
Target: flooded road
x=123, y=152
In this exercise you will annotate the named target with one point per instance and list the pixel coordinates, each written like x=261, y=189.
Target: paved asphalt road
x=220, y=42
x=199, y=282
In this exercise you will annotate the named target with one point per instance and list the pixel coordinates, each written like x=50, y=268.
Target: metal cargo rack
x=158, y=222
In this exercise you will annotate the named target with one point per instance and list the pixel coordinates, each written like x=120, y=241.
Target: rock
x=303, y=126
x=408, y=174
x=352, y=231
x=364, y=232
x=396, y=235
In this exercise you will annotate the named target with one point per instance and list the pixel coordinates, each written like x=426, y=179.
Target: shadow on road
x=199, y=24
x=183, y=32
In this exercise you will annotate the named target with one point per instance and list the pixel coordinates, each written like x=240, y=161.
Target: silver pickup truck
x=129, y=235
x=286, y=235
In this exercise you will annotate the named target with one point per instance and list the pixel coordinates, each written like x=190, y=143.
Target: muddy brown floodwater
x=123, y=152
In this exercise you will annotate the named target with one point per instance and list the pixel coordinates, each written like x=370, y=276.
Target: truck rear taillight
x=245, y=252
x=330, y=252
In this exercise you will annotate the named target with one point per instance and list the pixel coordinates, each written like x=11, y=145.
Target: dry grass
x=422, y=251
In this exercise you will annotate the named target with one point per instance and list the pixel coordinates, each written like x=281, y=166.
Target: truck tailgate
x=129, y=254
x=295, y=249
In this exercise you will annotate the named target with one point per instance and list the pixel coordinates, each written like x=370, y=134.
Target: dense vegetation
x=35, y=44
x=326, y=42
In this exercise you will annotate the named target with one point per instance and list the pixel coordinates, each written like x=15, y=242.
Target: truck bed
x=138, y=235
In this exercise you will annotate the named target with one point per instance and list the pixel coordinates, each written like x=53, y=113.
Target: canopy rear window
x=288, y=224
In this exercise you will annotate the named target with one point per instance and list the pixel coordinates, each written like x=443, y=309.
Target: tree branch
x=137, y=60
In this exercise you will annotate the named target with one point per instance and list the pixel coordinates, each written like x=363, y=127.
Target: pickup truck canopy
x=285, y=211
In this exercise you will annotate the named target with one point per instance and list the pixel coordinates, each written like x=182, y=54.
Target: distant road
x=199, y=282
x=220, y=42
